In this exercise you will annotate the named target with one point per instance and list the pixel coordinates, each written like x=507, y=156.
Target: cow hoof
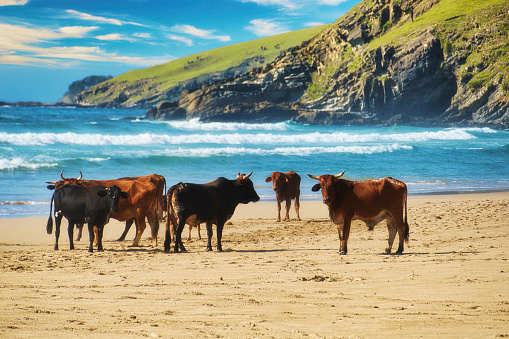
x=387, y=251
x=342, y=253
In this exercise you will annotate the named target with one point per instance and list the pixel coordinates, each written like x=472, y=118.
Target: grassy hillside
x=154, y=81
x=455, y=23
x=445, y=13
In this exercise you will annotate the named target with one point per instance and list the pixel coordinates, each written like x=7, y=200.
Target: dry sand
x=283, y=280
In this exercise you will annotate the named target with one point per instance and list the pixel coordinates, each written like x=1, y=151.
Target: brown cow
x=287, y=188
x=160, y=183
x=142, y=202
x=370, y=201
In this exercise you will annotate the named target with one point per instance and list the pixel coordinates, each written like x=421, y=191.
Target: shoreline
x=32, y=229
x=415, y=196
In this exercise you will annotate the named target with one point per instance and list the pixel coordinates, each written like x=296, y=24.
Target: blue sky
x=45, y=45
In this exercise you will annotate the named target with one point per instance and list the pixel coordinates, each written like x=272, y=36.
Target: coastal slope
x=384, y=62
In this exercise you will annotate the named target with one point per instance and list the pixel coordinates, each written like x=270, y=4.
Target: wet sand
x=283, y=280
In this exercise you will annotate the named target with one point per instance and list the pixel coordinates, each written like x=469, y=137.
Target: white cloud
x=90, y=17
x=295, y=4
x=32, y=46
x=201, y=33
x=282, y=3
x=313, y=24
x=331, y=2
x=143, y=35
x=13, y=2
x=114, y=37
x=185, y=40
x=266, y=27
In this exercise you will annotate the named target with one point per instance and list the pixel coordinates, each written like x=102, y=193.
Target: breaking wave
x=71, y=138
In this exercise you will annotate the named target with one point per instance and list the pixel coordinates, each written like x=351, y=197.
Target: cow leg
x=79, y=227
x=140, y=222
x=190, y=228
x=392, y=233
x=288, y=205
x=278, y=210
x=344, y=236
x=100, y=231
x=128, y=225
x=91, y=236
x=209, y=236
x=96, y=236
x=400, y=226
x=58, y=221
x=168, y=235
x=297, y=207
x=178, y=236
x=153, y=221
x=219, y=232
x=199, y=231
x=70, y=231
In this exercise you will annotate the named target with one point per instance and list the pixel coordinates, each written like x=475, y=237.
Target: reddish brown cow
x=160, y=183
x=287, y=188
x=142, y=202
x=370, y=201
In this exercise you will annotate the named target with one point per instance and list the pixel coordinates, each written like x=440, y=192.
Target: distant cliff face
x=455, y=71
x=81, y=85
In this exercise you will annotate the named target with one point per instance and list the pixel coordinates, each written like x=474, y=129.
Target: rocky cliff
x=384, y=62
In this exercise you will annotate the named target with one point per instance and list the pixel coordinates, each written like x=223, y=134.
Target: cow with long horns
x=146, y=195
x=211, y=203
x=371, y=201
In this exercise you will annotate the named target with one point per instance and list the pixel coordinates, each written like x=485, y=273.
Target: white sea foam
x=40, y=139
x=197, y=125
x=14, y=163
x=31, y=203
x=299, y=151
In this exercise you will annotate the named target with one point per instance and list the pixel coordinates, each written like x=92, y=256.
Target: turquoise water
x=37, y=143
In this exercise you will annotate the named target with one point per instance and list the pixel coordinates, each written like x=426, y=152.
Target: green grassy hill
x=166, y=81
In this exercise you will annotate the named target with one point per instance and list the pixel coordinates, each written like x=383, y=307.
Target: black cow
x=78, y=205
x=211, y=203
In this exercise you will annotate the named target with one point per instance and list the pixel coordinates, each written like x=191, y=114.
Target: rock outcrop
x=351, y=73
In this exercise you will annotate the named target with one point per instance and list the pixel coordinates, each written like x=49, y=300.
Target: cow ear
x=102, y=194
x=316, y=188
x=268, y=179
x=50, y=187
x=124, y=195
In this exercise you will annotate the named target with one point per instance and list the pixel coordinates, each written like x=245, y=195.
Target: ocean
x=37, y=143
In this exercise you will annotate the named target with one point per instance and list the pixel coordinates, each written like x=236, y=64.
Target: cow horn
x=81, y=176
x=314, y=176
x=339, y=175
x=51, y=182
x=247, y=176
x=62, y=175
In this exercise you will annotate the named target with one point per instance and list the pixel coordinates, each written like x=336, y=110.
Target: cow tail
x=407, y=228
x=49, y=225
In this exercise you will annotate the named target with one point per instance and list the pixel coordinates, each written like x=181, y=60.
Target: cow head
x=247, y=191
x=114, y=194
x=278, y=180
x=326, y=183
x=57, y=184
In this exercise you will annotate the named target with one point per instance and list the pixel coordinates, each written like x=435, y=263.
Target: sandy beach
x=281, y=280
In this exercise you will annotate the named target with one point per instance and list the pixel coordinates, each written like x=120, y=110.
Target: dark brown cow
x=142, y=202
x=211, y=203
x=370, y=201
x=287, y=188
